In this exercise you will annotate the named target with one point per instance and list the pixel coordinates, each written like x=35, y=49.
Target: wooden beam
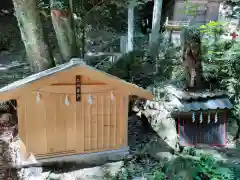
x=16, y=93
x=71, y=89
x=116, y=83
x=26, y=88
x=113, y=81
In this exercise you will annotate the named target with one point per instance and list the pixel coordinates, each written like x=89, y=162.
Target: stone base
x=85, y=160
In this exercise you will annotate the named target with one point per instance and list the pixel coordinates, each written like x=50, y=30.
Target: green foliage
x=60, y=4
x=235, y=8
x=192, y=152
x=221, y=63
x=191, y=8
x=158, y=175
x=41, y=4
x=212, y=28
x=133, y=67
x=232, y=67
x=190, y=34
x=206, y=167
x=209, y=168
x=220, y=60
x=138, y=68
x=236, y=12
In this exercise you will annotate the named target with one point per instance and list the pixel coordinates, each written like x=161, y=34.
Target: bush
x=208, y=168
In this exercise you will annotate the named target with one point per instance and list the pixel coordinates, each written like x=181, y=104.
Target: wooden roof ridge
x=31, y=82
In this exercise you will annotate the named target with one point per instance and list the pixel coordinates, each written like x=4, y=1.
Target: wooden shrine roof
x=199, y=101
x=12, y=91
x=198, y=95
x=206, y=105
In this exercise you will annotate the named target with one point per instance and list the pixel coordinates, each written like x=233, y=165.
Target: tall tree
x=156, y=20
x=191, y=56
x=130, y=27
x=29, y=22
x=63, y=23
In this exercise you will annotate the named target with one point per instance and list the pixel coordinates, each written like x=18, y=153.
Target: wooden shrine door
x=193, y=133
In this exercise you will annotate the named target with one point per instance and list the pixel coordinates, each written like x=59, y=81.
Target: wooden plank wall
x=102, y=122
x=50, y=128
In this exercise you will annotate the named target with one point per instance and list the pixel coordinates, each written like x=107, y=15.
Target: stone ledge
x=86, y=160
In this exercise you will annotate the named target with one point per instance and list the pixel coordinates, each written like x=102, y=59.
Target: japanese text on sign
x=78, y=88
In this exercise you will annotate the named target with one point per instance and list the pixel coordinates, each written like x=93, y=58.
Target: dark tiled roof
x=197, y=101
x=210, y=104
x=189, y=96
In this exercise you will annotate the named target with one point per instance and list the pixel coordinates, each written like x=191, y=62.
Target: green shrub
x=209, y=168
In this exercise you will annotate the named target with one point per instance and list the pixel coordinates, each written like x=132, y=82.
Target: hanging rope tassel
x=216, y=117
x=209, y=117
x=112, y=96
x=193, y=117
x=201, y=117
x=90, y=100
x=67, y=101
x=38, y=97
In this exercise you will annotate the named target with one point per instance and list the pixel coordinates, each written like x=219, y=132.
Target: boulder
x=158, y=115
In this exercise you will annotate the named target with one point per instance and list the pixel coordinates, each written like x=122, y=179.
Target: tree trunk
x=82, y=53
x=156, y=20
x=130, y=28
x=191, y=56
x=63, y=23
x=31, y=29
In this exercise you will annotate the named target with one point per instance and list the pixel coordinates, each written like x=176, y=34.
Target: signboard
x=78, y=88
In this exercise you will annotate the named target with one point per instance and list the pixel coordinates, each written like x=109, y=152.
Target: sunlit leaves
x=212, y=28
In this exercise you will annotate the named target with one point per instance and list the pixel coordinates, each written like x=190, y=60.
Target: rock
x=8, y=157
x=31, y=171
x=162, y=122
x=159, y=149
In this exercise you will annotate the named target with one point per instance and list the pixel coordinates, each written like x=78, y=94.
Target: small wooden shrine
x=73, y=112
x=173, y=29
x=201, y=112
x=201, y=117
x=175, y=25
